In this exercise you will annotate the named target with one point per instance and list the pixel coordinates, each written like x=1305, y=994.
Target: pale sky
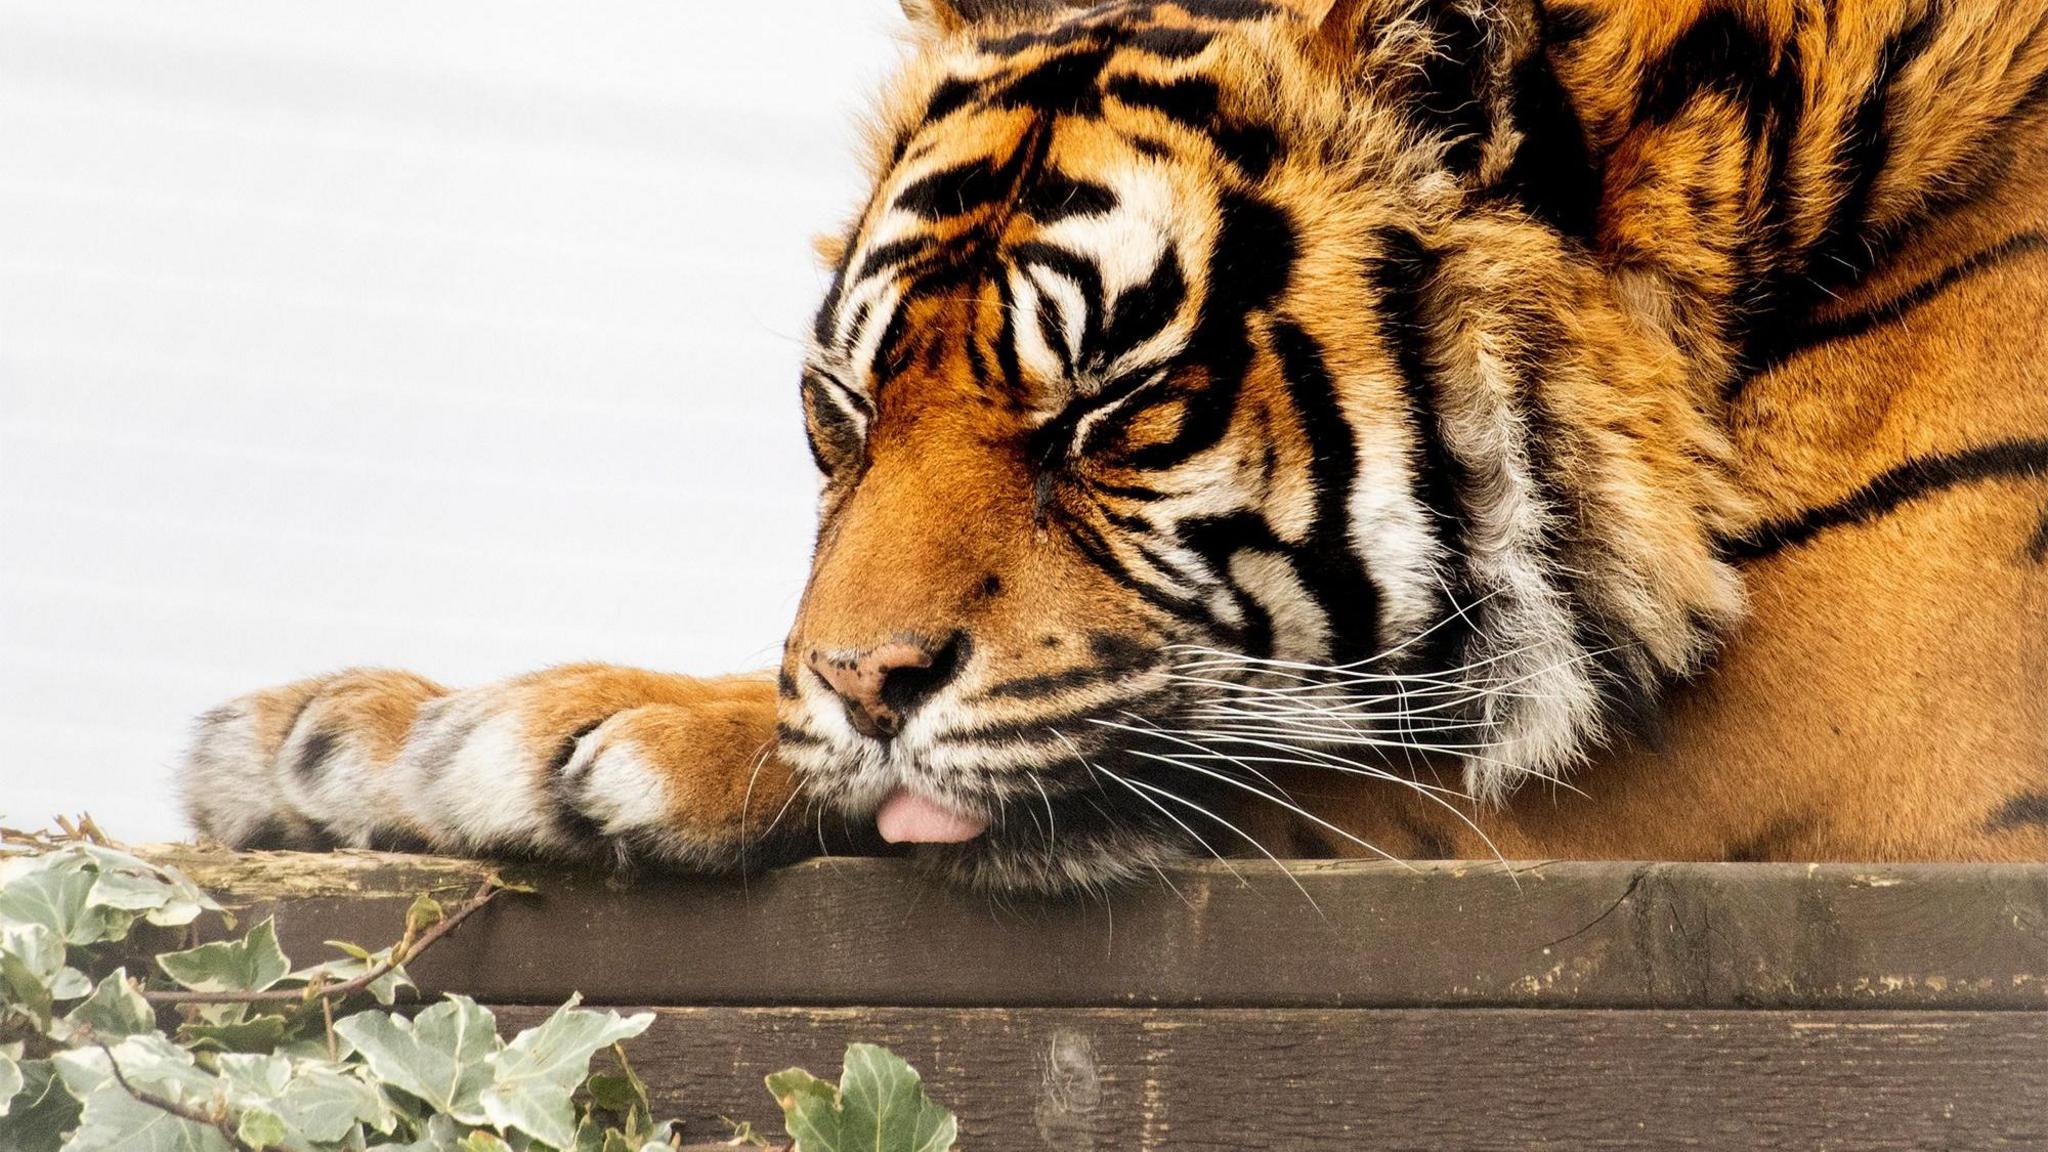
x=458, y=337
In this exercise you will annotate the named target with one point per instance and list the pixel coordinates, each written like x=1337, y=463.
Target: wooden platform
x=1338, y=1006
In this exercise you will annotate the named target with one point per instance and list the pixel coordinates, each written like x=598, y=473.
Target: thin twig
x=171, y=1107
x=405, y=951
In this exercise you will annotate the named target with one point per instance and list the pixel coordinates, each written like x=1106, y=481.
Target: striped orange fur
x=1579, y=428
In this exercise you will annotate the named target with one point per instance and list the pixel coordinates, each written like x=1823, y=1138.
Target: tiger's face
x=1129, y=485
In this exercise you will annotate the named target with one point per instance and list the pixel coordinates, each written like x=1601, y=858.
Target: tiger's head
x=1215, y=386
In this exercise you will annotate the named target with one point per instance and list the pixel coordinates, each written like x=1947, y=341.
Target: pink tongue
x=907, y=818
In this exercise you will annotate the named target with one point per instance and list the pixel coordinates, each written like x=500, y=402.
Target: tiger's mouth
x=1092, y=796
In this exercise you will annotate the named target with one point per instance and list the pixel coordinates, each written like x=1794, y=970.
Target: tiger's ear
x=949, y=16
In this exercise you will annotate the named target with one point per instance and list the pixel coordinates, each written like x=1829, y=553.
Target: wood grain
x=874, y=932
x=1384, y=1081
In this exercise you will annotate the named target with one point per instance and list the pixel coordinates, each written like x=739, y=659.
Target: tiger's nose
x=881, y=686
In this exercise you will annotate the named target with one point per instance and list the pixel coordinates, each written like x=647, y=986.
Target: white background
x=457, y=336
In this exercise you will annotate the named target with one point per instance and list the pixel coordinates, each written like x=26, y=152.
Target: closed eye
x=1078, y=428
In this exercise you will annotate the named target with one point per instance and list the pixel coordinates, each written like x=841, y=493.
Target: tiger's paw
x=588, y=762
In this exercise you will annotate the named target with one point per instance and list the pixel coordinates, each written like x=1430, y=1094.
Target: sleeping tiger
x=1412, y=428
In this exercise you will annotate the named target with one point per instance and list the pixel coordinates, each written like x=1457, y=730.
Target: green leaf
x=259, y=1033
x=442, y=1056
x=115, y=1121
x=879, y=1106
x=315, y=1102
x=536, y=1074
x=41, y=1114
x=424, y=914
x=260, y=1128
x=59, y=897
x=113, y=1011
x=325, y=1104
x=483, y=1142
x=24, y=991
x=163, y=895
x=442, y=1134
x=357, y=964
x=11, y=1082
x=250, y=964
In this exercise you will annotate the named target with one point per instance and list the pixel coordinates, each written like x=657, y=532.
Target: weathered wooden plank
x=1578, y=935
x=1307, y=1080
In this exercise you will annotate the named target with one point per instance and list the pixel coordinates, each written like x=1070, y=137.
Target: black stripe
x=1097, y=551
x=1056, y=196
x=1190, y=101
x=1553, y=173
x=1062, y=86
x=2028, y=809
x=1193, y=102
x=1565, y=25
x=1075, y=267
x=1172, y=43
x=314, y=754
x=572, y=822
x=1051, y=684
x=1142, y=312
x=1719, y=53
x=1897, y=486
x=948, y=98
x=1327, y=561
x=890, y=257
x=954, y=191
x=1401, y=278
x=1227, y=9
x=1253, y=148
x=1249, y=269
x=796, y=737
x=2037, y=545
x=1841, y=254
x=1809, y=336
x=1218, y=538
x=1450, y=100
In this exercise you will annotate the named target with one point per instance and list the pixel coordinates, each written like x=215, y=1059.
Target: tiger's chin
x=1071, y=845
x=1072, y=829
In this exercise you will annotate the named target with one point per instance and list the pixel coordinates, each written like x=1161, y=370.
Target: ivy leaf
x=59, y=898
x=536, y=1074
x=483, y=1142
x=262, y=1128
x=41, y=1114
x=441, y=1135
x=162, y=895
x=879, y=1106
x=33, y=972
x=11, y=1082
x=442, y=1056
x=113, y=1011
x=259, y=1033
x=250, y=964
x=311, y=1102
x=115, y=1121
x=23, y=990
x=326, y=1104
x=359, y=963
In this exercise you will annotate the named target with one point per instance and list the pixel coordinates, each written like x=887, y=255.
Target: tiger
x=1404, y=429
